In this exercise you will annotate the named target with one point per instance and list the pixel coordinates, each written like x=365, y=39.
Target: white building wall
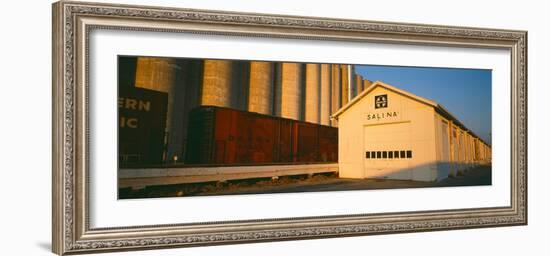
x=462, y=152
x=474, y=151
x=414, y=117
x=454, y=150
x=349, y=164
x=468, y=150
x=443, y=147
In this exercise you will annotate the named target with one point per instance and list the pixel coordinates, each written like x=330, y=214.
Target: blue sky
x=466, y=93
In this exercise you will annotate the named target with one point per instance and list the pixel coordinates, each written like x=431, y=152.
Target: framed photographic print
x=178, y=127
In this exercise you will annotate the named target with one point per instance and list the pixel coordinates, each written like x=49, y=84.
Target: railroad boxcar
x=142, y=121
x=223, y=136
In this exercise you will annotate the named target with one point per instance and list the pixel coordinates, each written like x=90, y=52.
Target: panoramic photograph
x=205, y=127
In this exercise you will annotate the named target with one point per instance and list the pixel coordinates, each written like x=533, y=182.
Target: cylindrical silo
x=158, y=74
x=260, y=93
x=312, y=93
x=345, y=83
x=358, y=84
x=326, y=94
x=216, y=83
x=290, y=91
x=336, y=98
x=366, y=83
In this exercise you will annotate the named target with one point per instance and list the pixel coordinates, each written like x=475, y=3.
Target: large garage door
x=387, y=150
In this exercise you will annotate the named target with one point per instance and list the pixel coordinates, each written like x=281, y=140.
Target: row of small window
x=389, y=154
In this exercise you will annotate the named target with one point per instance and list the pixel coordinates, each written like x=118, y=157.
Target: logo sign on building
x=381, y=101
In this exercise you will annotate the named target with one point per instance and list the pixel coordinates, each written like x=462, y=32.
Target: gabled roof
x=438, y=107
x=386, y=86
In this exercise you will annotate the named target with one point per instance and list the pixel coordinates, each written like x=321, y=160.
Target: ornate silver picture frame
x=73, y=22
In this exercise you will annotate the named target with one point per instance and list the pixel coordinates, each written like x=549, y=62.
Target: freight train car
x=142, y=120
x=223, y=136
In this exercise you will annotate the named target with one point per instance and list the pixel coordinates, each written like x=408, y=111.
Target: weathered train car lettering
x=128, y=122
x=133, y=104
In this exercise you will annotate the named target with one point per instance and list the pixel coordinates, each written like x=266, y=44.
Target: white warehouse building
x=386, y=132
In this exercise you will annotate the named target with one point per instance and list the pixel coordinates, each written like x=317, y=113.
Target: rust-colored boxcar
x=223, y=136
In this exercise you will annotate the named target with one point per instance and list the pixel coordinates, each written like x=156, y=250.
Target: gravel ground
x=474, y=177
